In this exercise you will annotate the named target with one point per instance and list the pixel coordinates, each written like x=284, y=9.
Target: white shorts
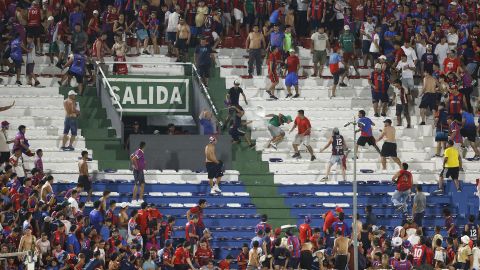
x=215, y=36
x=275, y=131
x=238, y=14
x=336, y=159
x=301, y=139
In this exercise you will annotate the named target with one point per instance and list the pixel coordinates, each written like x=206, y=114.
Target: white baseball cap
x=236, y=82
x=383, y=57
x=346, y=27
x=465, y=239
x=453, y=3
x=72, y=93
x=95, y=11
x=50, y=18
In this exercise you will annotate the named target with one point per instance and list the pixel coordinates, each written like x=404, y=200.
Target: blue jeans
x=400, y=197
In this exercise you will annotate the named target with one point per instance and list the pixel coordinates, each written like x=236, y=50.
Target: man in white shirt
x=319, y=48
x=375, y=45
x=452, y=38
x=74, y=203
x=409, y=52
x=407, y=67
x=172, y=23
x=441, y=51
x=367, y=30
x=16, y=160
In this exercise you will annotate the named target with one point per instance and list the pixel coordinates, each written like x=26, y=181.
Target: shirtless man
x=254, y=44
x=429, y=96
x=213, y=165
x=389, y=148
x=46, y=188
x=340, y=250
x=119, y=49
x=27, y=242
x=83, y=178
x=183, y=39
x=71, y=122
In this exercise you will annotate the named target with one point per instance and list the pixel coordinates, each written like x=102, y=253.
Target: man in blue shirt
x=203, y=59
x=469, y=131
x=276, y=37
x=96, y=216
x=73, y=245
x=366, y=135
x=258, y=238
x=277, y=14
x=76, y=64
x=16, y=47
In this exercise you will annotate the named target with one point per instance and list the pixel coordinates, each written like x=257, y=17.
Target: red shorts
x=273, y=77
x=347, y=57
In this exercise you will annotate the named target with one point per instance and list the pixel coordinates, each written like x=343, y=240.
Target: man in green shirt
x=347, y=43
x=275, y=130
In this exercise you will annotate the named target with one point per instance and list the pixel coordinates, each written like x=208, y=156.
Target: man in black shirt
x=233, y=99
x=429, y=59
x=203, y=59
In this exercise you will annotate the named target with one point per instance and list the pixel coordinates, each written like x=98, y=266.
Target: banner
x=151, y=95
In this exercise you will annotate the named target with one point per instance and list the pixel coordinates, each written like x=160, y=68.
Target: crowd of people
x=421, y=49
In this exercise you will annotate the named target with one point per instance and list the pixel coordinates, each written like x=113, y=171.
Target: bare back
x=69, y=106
x=83, y=168
x=210, y=153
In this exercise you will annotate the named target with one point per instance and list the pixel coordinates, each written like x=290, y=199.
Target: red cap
x=338, y=209
x=278, y=231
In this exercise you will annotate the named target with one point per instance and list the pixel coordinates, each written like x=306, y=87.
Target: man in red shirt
x=293, y=65
x=198, y=211
x=330, y=218
x=303, y=136
x=191, y=234
x=34, y=28
x=304, y=230
x=419, y=253
x=142, y=218
x=404, y=180
x=181, y=257
x=242, y=258
x=451, y=63
x=314, y=239
x=274, y=59
x=203, y=254
x=225, y=264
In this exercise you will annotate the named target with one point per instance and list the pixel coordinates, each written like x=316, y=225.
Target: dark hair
x=84, y=153
x=187, y=244
x=201, y=201
x=302, y=112
x=21, y=127
x=368, y=208
x=38, y=151
x=255, y=244
x=405, y=166
x=438, y=242
x=96, y=204
x=264, y=218
x=134, y=212
x=362, y=112
x=142, y=145
x=419, y=187
x=341, y=216
x=446, y=212
x=171, y=219
x=471, y=218
x=112, y=202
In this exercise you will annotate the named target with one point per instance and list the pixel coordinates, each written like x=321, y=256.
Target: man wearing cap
x=4, y=142
x=464, y=254
x=213, y=166
x=138, y=163
x=404, y=181
x=254, y=44
x=379, y=82
x=389, y=148
x=291, y=79
x=319, y=47
x=71, y=122
x=233, y=99
x=338, y=157
x=451, y=167
x=275, y=130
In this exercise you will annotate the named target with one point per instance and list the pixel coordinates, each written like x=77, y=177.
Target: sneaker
x=438, y=192
x=376, y=115
x=342, y=85
x=59, y=65
x=59, y=83
x=273, y=97
x=274, y=146
x=63, y=148
x=296, y=95
x=217, y=189
x=313, y=158
x=37, y=83
x=296, y=155
x=288, y=95
x=408, y=126
x=324, y=179
x=134, y=202
x=383, y=114
x=476, y=158
x=18, y=83
x=71, y=148
x=464, y=151
x=146, y=52
x=212, y=191
x=140, y=201
x=252, y=145
x=459, y=190
x=422, y=123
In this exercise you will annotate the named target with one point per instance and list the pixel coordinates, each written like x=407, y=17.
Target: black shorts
x=204, y=71
x=181, y=267
x=364, y=140
x=341, y=261
x=138, y=177
x=34, y=31
x=4, y=157
x=401, y=108
x=214, y=170
x=379, y=96
x=429, y=100
x=450, y=173
x=366, y=46
x=469, y=132
x=389, y=149
x=236, y=133
x=181, y=44
x=29, y=68
x=336, y=76
x=85, y=182
x=79, y=78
